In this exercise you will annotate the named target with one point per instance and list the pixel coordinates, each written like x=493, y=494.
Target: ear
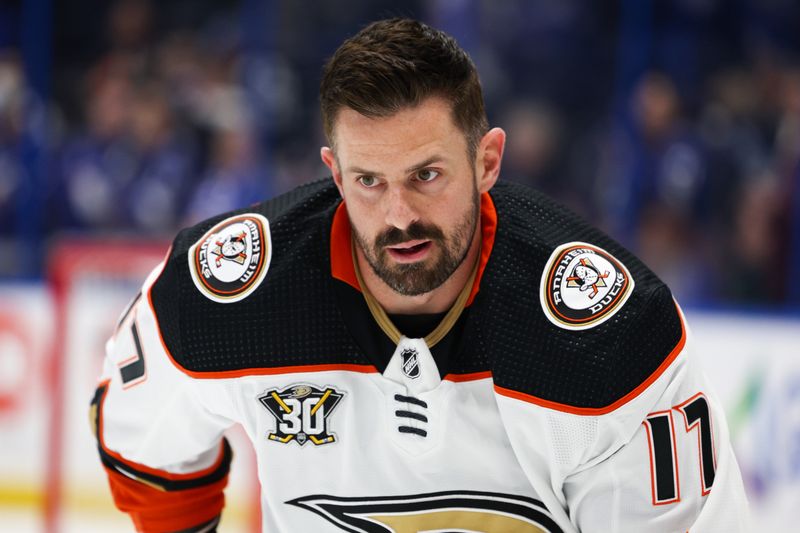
x=328, y=157
x=489, y=157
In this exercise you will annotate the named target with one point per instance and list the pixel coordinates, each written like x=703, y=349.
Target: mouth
x=409, y=252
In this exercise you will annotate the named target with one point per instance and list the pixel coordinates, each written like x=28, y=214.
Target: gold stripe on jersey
x=388, y=326
x=143, y=481
x=463, y=520
x=93, y=419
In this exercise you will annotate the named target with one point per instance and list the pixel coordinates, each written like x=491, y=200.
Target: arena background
x=674, y=125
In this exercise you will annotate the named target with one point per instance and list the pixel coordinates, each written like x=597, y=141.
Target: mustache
x=417, y=230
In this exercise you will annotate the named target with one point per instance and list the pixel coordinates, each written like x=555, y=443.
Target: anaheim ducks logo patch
x=583, y=286
x=230, y=261
x=474, y=511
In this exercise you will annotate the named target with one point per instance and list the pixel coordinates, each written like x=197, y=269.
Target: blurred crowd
x=673, y=125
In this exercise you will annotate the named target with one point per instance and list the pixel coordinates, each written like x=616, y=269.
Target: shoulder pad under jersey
x=250, y=289
x=573, y=318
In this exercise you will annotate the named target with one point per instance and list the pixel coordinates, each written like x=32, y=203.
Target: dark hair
x=397, y=63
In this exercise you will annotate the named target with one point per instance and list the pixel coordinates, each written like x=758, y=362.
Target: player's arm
x=653, y=457
x=677, y=471
x=159, y=441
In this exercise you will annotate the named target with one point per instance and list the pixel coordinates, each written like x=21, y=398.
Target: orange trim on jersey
x=155, y=510
x=474, y=376
x=595, y=411
x=488, y=232
x=652, y=465
x=342, y=259
x=152, y=508
x=298, y=369
x=341, y=249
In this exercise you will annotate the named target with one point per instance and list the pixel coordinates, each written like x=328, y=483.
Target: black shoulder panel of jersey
x=291, y=319
x=591, y=368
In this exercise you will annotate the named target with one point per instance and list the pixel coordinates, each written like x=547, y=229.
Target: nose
x=399, y=207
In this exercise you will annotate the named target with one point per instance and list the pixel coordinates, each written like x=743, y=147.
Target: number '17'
x=664, y=470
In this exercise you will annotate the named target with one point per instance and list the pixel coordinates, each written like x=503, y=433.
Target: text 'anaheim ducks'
x=232, y=258
x=583, y=286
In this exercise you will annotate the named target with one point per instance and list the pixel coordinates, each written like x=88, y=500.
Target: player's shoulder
x=231, y=290
x=582, y=324
x=297, y=204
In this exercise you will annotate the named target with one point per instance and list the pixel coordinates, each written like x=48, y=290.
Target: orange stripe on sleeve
x=158, y=500
x=154, y=510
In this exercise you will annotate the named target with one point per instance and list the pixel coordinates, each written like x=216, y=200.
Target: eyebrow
x=412, y=168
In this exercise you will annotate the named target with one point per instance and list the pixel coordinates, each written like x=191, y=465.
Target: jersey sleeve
x=660, y=461
x=676, y=473
x=159, y=431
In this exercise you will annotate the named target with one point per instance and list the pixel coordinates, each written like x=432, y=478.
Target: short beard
x=413, y=279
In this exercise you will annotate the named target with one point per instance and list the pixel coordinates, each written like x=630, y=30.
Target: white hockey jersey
x=563, y=398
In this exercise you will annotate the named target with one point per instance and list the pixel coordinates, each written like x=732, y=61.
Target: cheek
x=457, y=210
x=362, y=219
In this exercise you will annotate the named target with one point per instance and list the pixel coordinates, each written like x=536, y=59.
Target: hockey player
x=411, y=345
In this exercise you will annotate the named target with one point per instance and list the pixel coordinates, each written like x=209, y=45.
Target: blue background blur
x=673, y=125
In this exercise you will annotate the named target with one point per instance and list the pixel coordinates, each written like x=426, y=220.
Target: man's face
x=411, y=193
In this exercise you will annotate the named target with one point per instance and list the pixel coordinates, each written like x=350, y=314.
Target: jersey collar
x=341, y=245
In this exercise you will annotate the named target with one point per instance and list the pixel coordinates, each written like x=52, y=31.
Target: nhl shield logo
x=583, y=286
x=409, y=359
x=230, y=261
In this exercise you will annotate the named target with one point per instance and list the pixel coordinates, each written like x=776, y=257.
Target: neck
x=438, y=300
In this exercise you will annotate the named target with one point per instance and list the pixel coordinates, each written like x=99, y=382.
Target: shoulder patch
x=583, y=286
x=231, y=260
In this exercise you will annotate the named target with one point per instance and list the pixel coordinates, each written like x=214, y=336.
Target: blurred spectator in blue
x=11, y=123
x=235, y=177
x=787, y=154
x=741, y=223
x=95, y=164
x=191, y=108
x=669, y=158
x=164, y=175
x=533, y=148
x=205, y=91
x=556, y=51
x=652, y=187
x=131, y=169
x=730, y=124
x=747, y=265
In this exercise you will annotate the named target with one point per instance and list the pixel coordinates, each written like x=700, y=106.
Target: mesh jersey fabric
x=297, y=316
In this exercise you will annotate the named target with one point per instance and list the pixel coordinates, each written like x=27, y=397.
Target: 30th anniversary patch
x=583, y=286
x=230, y=261
x=301, y=413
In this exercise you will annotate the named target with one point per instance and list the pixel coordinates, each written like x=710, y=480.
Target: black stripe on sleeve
x=159, y=482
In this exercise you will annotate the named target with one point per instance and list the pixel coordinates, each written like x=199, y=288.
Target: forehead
x=408, y=134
